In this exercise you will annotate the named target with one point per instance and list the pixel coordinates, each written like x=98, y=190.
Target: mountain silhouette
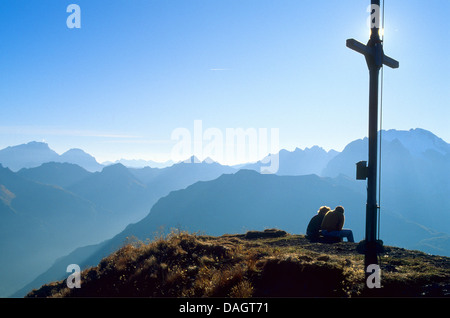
x=140, y=163
x=298, y=162
x=81, y=158
x=247, y=200
x=232, y=203
x=215, y=199
x=241, y=202
x=415, y=174
x=115, y=196
x=117, y=190
x=34, y=154
x=39, y=222
x=417, y=143
x=55, y=173
x=183, y=174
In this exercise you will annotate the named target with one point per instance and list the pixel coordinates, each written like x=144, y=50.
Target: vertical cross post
x=375, y=59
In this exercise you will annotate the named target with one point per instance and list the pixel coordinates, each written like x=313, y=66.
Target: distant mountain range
x=34, y=154
x=216, y=199
x=415, y=143
x=415, y=174
x=140, y=163
x=296, y=163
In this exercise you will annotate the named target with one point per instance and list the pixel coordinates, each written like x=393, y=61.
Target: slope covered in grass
x=256, y=264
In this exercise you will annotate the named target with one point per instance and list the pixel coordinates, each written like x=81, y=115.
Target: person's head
x=323, y=210
x=339, y=209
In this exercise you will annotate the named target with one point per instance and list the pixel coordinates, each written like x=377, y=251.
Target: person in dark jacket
x=314, y=226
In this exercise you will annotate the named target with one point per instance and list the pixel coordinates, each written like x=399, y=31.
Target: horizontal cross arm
x=390, y=62
x=367, y=51
x=358, y=47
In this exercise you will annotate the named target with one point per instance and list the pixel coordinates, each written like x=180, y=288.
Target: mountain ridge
x=34, y=153
x=416, y=139
x=55, y=173
x=228, y=211
x=202, y=174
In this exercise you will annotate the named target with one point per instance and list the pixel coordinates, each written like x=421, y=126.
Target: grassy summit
x=256, y=264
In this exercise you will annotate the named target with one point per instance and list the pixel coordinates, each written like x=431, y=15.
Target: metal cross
x=375, y=58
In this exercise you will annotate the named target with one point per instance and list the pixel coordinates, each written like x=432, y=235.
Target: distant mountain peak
x=208, y=160
x=418, y=140
x=140, y=163
x=35, y=153
x=297, y=162
x=117, y=167
x=28, y=155
x=191, y=159
x=247, y=172
x=38, y=144
x=315, y=148
x=77, y=151
x=35, y=145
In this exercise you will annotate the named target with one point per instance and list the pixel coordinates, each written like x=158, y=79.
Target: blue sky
x=136, y=70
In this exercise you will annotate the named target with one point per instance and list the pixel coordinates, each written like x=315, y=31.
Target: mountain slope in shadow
x=236, y=203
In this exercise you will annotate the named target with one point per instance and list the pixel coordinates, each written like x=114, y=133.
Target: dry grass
x=189, y=265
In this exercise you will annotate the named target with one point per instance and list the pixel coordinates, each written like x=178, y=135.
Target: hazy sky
x=136, y=70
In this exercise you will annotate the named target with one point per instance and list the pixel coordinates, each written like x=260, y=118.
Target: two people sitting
x=328, y=223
